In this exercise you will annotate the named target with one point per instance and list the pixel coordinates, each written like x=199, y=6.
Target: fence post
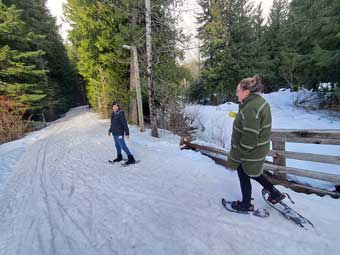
x=279, y=159
x=43, y=118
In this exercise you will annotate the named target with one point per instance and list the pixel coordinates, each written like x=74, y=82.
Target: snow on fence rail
x=277, y=170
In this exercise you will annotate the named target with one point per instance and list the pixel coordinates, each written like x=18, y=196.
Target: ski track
x=64, y=198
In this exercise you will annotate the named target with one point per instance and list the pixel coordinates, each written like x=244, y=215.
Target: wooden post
x=138, y=89
x=279, y=159
x=133, y=116
x=43, y=118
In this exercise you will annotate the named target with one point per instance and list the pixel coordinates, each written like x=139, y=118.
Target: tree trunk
x=154, y=129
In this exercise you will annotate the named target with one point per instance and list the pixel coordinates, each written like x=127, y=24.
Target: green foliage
x=312, y=32
x=276, y=42
x=98, y=34
x=20, y=75
x=61, y=84
x=99, y=31
x=298, y=46
x=227, y=32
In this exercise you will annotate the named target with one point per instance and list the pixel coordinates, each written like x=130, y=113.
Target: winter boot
x=276, y=196
x=242, y=207
x=131, y=160
x=119, y=158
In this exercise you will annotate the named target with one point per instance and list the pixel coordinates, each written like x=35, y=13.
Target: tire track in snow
x=37, y=191
x=85, y=206
x=58, y=206
x=47, y=203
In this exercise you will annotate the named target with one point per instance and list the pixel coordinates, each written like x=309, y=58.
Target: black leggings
x=246, y=184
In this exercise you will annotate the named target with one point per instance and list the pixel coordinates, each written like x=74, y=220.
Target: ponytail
x=253, y=84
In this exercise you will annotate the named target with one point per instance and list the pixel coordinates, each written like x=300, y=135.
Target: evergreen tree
x=226, y=32
x=20, y=75
x=61, y=84
x=314, y=27
x=299, y=45
x=259, y=56
x=276, y=41
x=99, y=31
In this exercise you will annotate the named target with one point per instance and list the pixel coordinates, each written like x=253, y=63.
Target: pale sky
x=56, y=9
x=187, y=22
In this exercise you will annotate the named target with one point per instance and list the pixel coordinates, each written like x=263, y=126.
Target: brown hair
x=253, y=84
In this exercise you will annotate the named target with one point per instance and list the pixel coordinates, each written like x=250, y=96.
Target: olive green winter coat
x=250, y=140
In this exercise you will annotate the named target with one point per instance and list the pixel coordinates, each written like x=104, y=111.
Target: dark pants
x=246, y=184
x=120, y=144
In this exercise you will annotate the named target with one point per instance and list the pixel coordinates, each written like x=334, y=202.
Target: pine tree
x=314, y=26
x=61, y=84
x=99, y=31
x=258, y=47
x=226, y=32
x=20, y=75
x=276, y=41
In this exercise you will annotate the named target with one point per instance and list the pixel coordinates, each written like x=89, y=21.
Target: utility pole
x=199, y=59
x=134, y=76
x=138, y=89
x=133, y=115
x=154, y=129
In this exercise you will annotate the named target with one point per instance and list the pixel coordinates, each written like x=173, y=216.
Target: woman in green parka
x=251, y=141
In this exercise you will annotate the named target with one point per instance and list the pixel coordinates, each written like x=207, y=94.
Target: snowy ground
x=215, y=126
x=60, y=196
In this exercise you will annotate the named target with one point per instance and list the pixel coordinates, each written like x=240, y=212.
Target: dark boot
x=119, y=158
x=131, y=160
x=276, y=196
x=242, y=207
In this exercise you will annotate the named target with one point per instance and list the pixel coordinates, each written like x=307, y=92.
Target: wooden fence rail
x=277, y=170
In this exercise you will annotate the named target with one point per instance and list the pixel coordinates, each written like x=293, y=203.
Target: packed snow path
x=63, y=197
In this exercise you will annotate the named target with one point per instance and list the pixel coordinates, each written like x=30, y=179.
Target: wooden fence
x=277, y=170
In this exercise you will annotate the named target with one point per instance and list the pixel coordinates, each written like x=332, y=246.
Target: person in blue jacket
x=119, y=128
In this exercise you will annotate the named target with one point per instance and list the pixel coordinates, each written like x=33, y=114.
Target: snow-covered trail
x=64, y=198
